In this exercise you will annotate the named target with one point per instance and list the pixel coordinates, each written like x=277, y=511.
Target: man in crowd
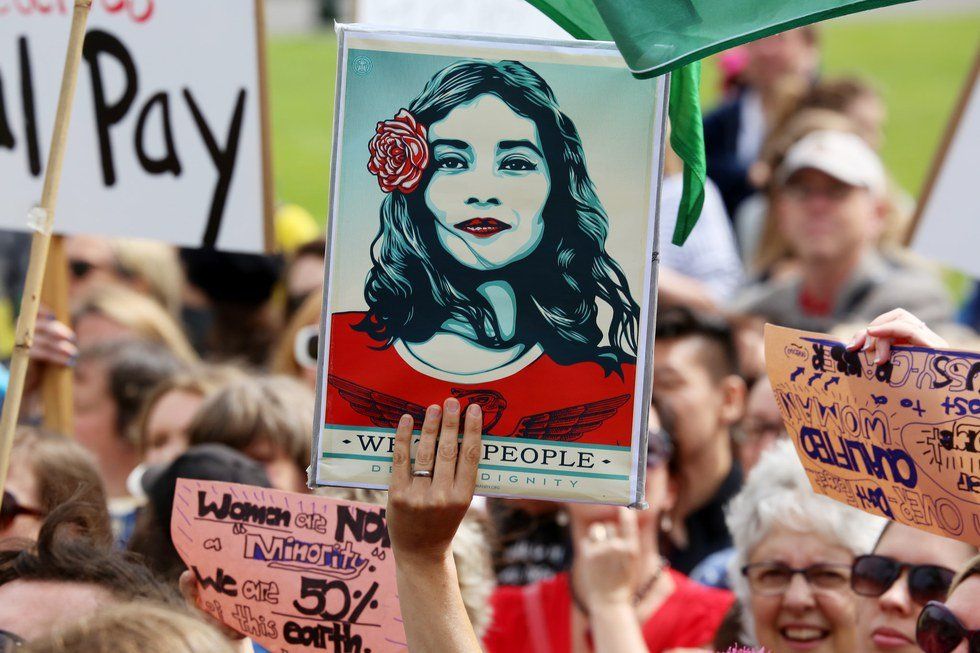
x=829, y=206
x=696, y=380
x=777, y=67
x=763, y=425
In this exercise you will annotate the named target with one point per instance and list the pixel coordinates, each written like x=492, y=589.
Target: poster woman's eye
x=451, y=163
x=517, y=163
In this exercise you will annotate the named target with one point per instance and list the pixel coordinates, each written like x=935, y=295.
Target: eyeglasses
x=306, y=346
x=659, y=447
x=10, y=641
x=10, y=509
x=775, y=577
x=873, y=575
x=800, y=192
x=293, y=303
x=939, y=631
x=80, y=269
x=753, y=431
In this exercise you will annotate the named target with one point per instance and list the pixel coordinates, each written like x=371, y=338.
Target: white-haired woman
x=793, y=554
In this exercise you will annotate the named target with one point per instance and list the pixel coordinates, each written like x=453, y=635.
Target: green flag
x=581, y=19
x=660, y=36
x=656, y=36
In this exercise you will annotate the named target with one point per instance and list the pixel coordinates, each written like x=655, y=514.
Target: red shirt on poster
x=373, y=385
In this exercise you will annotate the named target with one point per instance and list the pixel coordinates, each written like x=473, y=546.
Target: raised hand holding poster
x=900, y=440
x=293, y=572
x=492, y=237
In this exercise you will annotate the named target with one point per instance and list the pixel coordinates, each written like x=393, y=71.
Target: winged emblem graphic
x=564, y=424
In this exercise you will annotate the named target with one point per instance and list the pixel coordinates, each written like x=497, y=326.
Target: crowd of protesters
x=200, y=364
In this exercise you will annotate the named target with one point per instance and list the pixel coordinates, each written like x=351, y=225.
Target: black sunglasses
x=10, y=509
x=10, y=641
x=79, y=269
x=659, y=447
x=873, y=575
x=939, y=631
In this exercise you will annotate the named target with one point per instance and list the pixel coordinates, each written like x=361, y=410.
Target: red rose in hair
x=399, y=153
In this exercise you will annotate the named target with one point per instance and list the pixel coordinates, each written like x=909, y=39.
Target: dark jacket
x=721, y=128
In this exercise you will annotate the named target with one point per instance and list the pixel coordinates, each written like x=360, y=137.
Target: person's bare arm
x=423, y=515
x=676, y=289
x=608, y=562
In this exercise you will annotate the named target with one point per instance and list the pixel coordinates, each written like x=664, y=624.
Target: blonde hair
x=275, y=409
x=471, y=553
x=154, y=263
x=139, y=627
x=971, y=568
x=138, y=313
x=283, y=359
x=203, y=380
x=64, y=471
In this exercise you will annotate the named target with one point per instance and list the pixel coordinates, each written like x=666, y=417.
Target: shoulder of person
x=763, y=296
x=914, y=286
x=706, y=597
x=694, y=610
x=725, y=112
x=903, y=267
x=510, y=601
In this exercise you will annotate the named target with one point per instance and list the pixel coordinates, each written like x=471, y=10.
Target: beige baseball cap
x=841, y=155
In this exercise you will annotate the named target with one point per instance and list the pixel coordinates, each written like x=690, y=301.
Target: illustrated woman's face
x=490, y=184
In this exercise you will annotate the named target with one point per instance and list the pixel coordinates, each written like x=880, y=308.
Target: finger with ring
x=598, y=532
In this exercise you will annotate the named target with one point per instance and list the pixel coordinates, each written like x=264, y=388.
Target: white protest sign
x=948, y=223
x=166, y=139
x=507, y=17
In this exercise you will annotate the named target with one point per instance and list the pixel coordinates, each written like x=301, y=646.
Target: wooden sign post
x=56, y=383
x=42, y=223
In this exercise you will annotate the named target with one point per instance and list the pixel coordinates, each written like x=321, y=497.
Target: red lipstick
x=482, y=227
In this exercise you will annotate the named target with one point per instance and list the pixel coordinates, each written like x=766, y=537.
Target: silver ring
x=424, y=473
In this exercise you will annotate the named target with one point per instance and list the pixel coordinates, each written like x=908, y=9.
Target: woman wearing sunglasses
x=46, y=470
x=907, y=569
x=295, y=354
x=953, y=627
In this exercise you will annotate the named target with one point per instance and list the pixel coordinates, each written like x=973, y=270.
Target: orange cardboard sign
x=292, y=571
x=899, y=440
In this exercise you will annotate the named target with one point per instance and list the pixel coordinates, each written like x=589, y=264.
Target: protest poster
x=293, y=572
x=900, y=440
x=493, y=237
x=947, y=205
x=168, y=140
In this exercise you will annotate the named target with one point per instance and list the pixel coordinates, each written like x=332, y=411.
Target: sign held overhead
x=168, y=141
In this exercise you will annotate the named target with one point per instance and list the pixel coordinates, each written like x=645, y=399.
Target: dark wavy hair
x=414, y=285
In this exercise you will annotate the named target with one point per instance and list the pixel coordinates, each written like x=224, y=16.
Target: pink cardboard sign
x=294, y=572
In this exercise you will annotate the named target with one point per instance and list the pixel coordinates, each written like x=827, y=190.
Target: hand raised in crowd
x=897, y=327
x=190, y=589
x=54, y=341
x=609, y=555
x=426, y=504
x=53, y=344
